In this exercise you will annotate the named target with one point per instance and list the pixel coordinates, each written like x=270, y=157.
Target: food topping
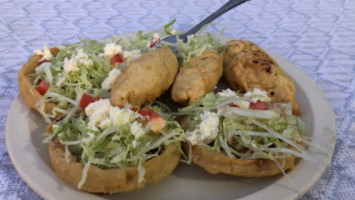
x=154, y=41
x=114, y=73
x=131, y=55
x=86, y=100
x=111, y=50
x=45, y=53
x=206, y=131
x=102, y=114
x=154, y=122
x=43, y=87
x=116, y=59
x=245, y=126
x=80, y=58
x=257, y=95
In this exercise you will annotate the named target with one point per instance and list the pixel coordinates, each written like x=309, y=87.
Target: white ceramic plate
x=30, y=157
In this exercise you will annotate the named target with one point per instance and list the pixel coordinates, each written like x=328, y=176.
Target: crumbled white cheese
x=206, y=131
x=103, y=115
x=243, y=104
x=114, y=73
x=98, y=113
x=257, y=94
x=111, y=49
x=79, y=58
x=137, y=129
x=70, y=65
x=82, y=58
x=120, y=116
x=226, y=93
x=155, y=37
x=131, y=55
x=45, y=53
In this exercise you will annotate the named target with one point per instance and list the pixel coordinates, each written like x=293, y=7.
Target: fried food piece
x=198, y=79
x=145, y=79
x=28, y=91
x=247, y=66
x=116, y=179
x=216, y=162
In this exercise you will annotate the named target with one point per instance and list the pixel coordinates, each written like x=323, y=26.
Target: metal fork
x=226, y=7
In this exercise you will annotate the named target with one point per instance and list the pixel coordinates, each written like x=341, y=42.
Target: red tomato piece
x=116, y=59
x=134, y=109
x=86, y=100
x=152, y=44
x=43, y=87
x=148, y=113
x=259, y=105
x=234, y=105
x=43, y=61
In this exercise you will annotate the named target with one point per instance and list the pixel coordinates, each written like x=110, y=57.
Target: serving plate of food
x=96, y=120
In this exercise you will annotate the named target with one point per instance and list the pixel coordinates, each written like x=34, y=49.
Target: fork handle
x=229, y=5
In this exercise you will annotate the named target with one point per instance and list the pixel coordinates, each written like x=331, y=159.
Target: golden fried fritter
x=197, y=79
x=145, y=79
x=247, y=66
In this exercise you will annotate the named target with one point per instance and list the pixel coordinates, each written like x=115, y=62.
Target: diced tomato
x=43, y=87
x=259, y=105
x=152, y=44
x=116, y=59
x=43, y=61
x=234, y=105
x=86, y=100
x=134, y=109
x=148, y=113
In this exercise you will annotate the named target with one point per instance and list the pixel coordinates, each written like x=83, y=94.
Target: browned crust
x=28, y=91
x=117, y=179
x=215, y=162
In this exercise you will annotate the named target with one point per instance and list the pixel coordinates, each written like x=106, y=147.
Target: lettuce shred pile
x=249, y=134
x=112, y=146
x=66, y=88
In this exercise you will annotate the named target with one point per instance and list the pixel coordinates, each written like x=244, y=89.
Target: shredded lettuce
x=195, y=45
x=67, y=87
x=112, y=146
x=247, y=133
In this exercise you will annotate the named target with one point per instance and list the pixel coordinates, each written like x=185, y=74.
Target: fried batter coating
x=247, y=66
x=198, y=79
x=145, y=79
